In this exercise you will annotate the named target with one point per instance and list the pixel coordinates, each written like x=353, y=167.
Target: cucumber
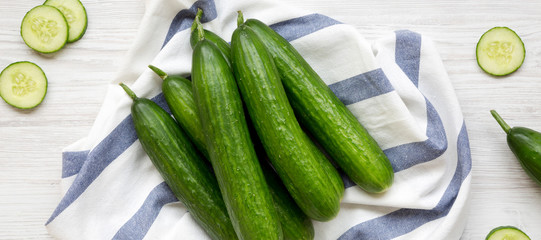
x=316, y=190
x=178, y=94
x=507, y=233
x=23, y=85
x=326, y=117
x=75, y=14
x=500, y=51
x=45, y=29
x=232, y=155
x=295, y=224
x=525, y=143
x=178, y=162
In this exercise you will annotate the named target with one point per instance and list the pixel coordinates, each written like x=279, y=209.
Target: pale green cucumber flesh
x=507, y=233
x=44, y=29
x=500, y=51
x=23, y=85
x=75, y=14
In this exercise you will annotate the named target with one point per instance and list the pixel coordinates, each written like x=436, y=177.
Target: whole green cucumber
x=178, y=94
x=232, y=155
x=178, y=162
x=525, y=143
x=291, y=152
x=326, y=117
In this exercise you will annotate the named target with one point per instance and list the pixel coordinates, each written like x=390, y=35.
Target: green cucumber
x=45, y=29
x=180, y=165
x=500, y=51
x=525, y=143
x=507, y=233
x=326, y=117
x=178, y=94
x=23, y=85
x=232, y=155
x=316, y=189
x=75, y=14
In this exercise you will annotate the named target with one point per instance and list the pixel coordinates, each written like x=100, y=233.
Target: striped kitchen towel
x=396, y=86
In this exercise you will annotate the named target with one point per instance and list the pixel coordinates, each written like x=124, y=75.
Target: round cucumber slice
x=44, y=29
x=23, y=85
x=507, y=233
x=75, y=14
x=500, y=51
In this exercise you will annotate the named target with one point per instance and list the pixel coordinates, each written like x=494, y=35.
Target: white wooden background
x=502, y=194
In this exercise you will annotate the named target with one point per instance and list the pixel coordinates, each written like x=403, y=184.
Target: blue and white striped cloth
x=397, y=86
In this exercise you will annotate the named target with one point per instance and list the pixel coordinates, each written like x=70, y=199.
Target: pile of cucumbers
x=235, y=151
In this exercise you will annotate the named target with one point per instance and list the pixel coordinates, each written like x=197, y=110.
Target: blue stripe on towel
x=408, y=53
x=72, y=162
x=411, y=154
x=100, y=157
x=299, y=27
x=184, y=18
x=406, y=220
x=137, y=227
x=362, y=86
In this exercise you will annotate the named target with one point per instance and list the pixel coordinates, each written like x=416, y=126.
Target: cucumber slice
x=500, y=51
x=507, y=233
x=75, y=14
x=44, y=29
x=23, y=85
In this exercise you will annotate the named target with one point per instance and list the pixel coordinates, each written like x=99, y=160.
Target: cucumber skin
x=232, y=155
x=326, y=117
x=172, y=153
x=525, y=144
x=292, y=153
x=178, y=94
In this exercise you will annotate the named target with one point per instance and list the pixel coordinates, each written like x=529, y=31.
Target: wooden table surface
x=31, y=141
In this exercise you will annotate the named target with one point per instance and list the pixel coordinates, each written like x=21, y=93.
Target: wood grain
x=31, y=141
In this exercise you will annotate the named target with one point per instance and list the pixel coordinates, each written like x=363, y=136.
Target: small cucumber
x=75, y=14
x=317, y=190
x=180, y=165
x=23, y=85
x=507, y=233
x=326, y=117
x=500, y=51
x=525, y=143
x=45, y=29
x=178, y=94
x=232, y=155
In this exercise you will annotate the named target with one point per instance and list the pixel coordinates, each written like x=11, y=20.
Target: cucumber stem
x=197, y=26
x=128, y=91
x=158, y=71
x=500, y=121
x=240, y=18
